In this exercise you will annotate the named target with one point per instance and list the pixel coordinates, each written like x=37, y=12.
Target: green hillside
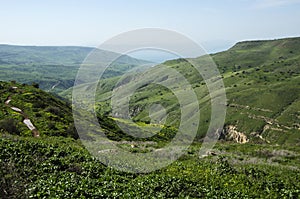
x=50, y=115
x=262, y=85
x=54, y=68
x=262, y=81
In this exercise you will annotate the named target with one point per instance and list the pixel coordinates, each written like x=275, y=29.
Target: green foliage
x=262, y=83
x=9, y=125
x=114, y=132
x=50, y=115
x=62, y=168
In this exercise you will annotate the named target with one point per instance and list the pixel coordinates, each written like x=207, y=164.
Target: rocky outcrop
x=231, y=133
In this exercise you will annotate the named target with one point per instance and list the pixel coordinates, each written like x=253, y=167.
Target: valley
x=262, y=81
x=257, y=155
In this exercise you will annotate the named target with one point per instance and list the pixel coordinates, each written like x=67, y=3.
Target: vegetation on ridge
x=262, y=81
x=50, y=115
x=262, y=85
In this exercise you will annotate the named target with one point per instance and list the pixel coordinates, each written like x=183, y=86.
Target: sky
x=216, y=25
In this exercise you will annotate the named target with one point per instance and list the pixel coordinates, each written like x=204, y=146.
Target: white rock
x=28, y=123
x=16, y=109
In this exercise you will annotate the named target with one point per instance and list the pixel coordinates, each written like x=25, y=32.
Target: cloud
x=275, y=3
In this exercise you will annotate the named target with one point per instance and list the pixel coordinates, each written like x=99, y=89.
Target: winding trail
x=53, y=87
x=26, y=119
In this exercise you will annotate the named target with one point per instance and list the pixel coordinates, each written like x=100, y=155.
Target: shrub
x=9, y=125
x=54, y=110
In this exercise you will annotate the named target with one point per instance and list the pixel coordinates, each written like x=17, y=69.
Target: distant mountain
x=262, y=80
x=55, y=55
x=54, y=67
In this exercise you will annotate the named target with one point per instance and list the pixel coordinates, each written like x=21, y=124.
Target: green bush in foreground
x=62, y=168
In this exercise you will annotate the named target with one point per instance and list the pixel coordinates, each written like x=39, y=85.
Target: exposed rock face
x=231, y=133
x=135, y=111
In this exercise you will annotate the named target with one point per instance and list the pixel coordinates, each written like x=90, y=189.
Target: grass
x=262, y=88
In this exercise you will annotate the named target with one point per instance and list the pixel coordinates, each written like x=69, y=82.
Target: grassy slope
x=262, y=87
x=51, y=167
x=264, y=75
x=49, y=114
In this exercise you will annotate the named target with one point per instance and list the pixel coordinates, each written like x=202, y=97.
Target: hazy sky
x=215, y=24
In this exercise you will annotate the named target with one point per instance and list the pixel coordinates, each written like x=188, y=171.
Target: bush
x=8, y=178
x=10, y=126
x=54, y=110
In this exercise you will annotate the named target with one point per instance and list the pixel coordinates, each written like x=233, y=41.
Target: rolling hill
x=262, y=81
x=262, y=86
x=54, y=68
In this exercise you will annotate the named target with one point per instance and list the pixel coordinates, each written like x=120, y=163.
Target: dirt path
x=53, y=87
x=26, y=119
